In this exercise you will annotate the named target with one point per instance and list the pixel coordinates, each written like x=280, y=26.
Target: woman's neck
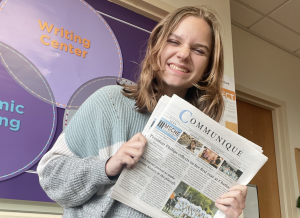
x=171, y=91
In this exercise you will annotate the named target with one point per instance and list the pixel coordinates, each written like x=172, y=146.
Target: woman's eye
x=199, y=51
x=173, y=41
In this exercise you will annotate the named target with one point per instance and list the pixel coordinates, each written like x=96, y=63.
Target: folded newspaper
x=189, y=162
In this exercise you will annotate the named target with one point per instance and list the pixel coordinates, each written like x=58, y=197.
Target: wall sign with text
x=48, y=50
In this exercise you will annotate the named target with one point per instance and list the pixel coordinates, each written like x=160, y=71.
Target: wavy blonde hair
x=206, y=94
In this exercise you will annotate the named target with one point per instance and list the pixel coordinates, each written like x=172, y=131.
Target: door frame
x=282, y=146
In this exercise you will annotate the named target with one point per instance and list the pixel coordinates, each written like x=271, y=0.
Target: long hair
x=190, y=145
x=206, y=94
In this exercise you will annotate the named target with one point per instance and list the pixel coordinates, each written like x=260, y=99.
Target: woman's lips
x=178, y=69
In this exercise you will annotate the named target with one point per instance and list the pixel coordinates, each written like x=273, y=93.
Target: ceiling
x=276, y=21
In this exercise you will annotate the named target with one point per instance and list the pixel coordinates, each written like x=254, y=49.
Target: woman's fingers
x=138, y=137
x=241, y=188
x=128, y=154
x=135, y=144
x=138, y=141
x=128, y=161
x=237, y=195
x=233, y=202
x=228, y=211
x=133, y=153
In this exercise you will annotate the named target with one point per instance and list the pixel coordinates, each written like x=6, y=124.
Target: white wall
x=267, y=69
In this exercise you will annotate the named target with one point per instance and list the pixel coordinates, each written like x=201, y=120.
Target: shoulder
x=107, y=92
x=113, y=95
x=99, y=101
x=115, y=89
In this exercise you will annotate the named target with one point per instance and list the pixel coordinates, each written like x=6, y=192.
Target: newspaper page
x=161, y=105
x=189, y=162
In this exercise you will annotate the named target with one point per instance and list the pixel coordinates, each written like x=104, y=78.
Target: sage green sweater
x=73, y=174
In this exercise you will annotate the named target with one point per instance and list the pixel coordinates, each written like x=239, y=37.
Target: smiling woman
x=184, y=57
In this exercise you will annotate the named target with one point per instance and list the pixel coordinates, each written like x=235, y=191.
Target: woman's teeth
x=178, y=68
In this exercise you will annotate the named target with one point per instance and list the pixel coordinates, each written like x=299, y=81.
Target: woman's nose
x=183, y=53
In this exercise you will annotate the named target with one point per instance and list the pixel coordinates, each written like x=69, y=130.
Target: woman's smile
x=185, y=56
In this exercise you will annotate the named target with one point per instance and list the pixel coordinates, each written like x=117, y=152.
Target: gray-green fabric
x=79, y=183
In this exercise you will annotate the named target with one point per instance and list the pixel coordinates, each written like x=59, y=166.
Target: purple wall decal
x=131, y=41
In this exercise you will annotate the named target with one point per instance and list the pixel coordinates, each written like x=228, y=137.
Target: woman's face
x=186, y=54
x=193, y=144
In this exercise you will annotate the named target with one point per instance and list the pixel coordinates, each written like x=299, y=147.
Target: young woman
x=184, y=57
x=192, y=146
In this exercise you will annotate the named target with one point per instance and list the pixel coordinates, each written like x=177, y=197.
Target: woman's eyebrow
x=194, y=45
x=176, y=36
x=202, y=46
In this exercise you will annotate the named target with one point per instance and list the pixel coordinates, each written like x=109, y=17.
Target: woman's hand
x=233, y=202
x=128, y=154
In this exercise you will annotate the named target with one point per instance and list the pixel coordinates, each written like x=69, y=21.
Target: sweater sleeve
x=72, y=171
x=68, y=179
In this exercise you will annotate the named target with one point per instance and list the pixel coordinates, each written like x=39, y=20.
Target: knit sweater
x=73, y=174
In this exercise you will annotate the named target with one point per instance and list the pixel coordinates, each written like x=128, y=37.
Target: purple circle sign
x=27, y=119
x=68, y=41
x=45, y=57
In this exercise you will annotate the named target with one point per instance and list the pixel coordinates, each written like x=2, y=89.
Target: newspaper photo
x=189, y=162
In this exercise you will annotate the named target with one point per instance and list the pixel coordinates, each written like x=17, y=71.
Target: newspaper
x=189, y=162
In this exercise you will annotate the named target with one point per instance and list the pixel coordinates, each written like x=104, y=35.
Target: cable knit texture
x=73, y=174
